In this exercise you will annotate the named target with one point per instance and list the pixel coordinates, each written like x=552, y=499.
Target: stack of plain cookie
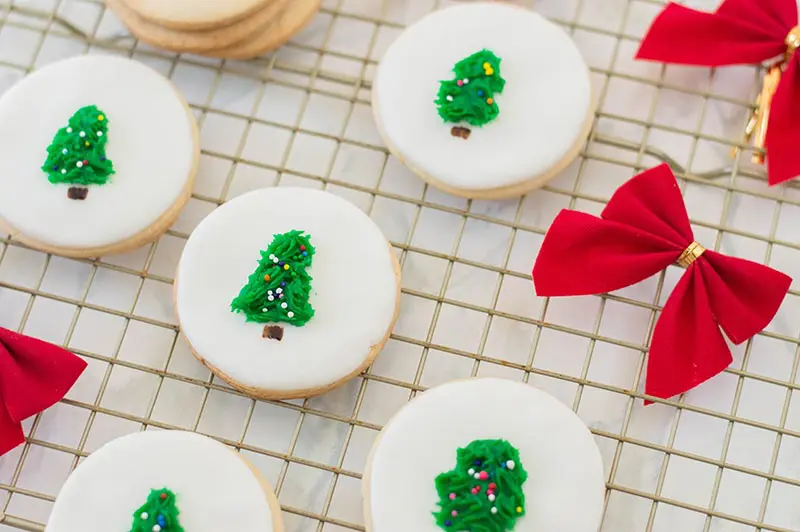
x=229, y=29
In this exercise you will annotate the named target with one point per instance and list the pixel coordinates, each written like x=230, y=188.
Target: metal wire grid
x=650, y=504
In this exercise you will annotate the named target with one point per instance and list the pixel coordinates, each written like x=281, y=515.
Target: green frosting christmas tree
x=470, y=97
x=158, y=514
x=278, y=291
x=77, y=155
x=484, y=491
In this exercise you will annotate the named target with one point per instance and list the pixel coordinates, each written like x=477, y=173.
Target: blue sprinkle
x=447, y=523
x=281, y=263
x=477, y=462
x=503, y=465
x=55, y=167
x=480, y=93
x=305, y=253
x=161, y=521
x=283, y=283
x=102, y=158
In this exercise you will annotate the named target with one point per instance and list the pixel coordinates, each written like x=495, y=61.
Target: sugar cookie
x=165, y=481
x=295, y=16
x=483, y=100
x=197, y=41
x=195, y=14
x=489, y=451
x=98, y=156
x=287, y=292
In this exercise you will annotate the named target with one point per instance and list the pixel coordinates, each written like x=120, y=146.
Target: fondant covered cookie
x=165, y=481
x=287, y=292
x=98, y=156
x=484, y=100
x=487, y=455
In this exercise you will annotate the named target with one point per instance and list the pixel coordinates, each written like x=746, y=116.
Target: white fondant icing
x=565, y=487
x=353, y=291
x=215, y=489
x=150, y=142
x=543, y=108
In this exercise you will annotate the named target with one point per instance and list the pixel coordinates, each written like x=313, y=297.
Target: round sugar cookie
x=197, y=41
x=489, y=451
x=285, y=25
x=483, y=100
x=164, y=481
x=287, y=292
x=99, y=155
x=195, y=14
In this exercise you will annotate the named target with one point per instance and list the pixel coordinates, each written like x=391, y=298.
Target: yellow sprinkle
x=267, y=277
x=519, y=509
x=489, y=71
x=487, y=65
x=285, y=266
x=489, y=101
x=87, y=143
x=101, y=117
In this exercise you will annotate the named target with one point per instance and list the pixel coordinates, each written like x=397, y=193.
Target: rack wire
x=722, y=457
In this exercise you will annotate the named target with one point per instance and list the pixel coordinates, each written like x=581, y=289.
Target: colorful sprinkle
x=452, y=496
x=101, y=117
x=454, y=513
x=460, y=83
x=285, y=266
x=163, y=496
x=519, y=509
x=483, y=475
x=490, y=101
x=492, y=486
x=267, y=277
x=447, y=523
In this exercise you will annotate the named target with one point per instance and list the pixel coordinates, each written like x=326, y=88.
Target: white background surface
x=723, y=458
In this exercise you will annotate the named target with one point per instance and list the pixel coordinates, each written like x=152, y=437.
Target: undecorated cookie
x=285, y=25
x=287, y=292
x=165, y=481
x=483, y=100
x=99, y=155
x=195, y=14
x=246, y=30
x=484, y=454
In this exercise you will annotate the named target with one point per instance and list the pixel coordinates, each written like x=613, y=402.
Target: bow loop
x=34, y=375
x=643, y=230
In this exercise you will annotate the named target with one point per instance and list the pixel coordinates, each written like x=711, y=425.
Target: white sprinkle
x=491, y=497
x=82, y=134
x=275, y=260
x=144, y=515
x=494, y=509
x=270, y=298
x=265, y=309
x=69, y=130
x=466, y=80
x=269, y=292
x=471, y=472
x=280, y=296
x=449, y=98
x=63, y=171
x=99, y=133
x=157, y=528
x=79, y=164
x=477, y=475
x=510, y=464
x=64, y=151
x=290, y=314
x=279, y=290
x=284, y=305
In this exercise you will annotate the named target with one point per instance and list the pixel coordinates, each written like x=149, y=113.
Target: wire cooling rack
x=724, y=457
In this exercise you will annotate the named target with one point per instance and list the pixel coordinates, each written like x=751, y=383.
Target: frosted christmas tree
x=484, y=491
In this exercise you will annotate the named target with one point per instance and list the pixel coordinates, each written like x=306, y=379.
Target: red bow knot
x=643, y=229
x=743, y=32
x=34, y=375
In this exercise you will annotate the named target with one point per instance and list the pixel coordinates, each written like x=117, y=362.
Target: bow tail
x=783, y=133
x=687, y=347
x=11, y=433
x=34, y=375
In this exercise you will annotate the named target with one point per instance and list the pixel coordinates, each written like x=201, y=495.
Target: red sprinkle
x=483, y=475
x=492, y=485
x=302, y=247
x=474, y=491
x=85, y=163
x=163, y=496
x=478, y=488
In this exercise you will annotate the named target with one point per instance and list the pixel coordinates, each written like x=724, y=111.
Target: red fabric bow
x=34, y=375
x=643, y=229
x=739, y=32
